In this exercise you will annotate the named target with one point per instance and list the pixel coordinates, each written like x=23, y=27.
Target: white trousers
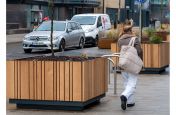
x=130, y=81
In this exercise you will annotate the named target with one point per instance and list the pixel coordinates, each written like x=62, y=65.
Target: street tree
x=51, y=10
x=161, y=9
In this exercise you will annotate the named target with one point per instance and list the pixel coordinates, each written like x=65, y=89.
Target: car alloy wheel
x=62, y=46
x=81, y=43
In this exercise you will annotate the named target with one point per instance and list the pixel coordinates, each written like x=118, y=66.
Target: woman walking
x=130, y=79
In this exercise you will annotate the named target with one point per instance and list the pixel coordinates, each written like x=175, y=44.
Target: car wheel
x=95, y=42
x=62, y=46
x=27, y=50
x=81, y=43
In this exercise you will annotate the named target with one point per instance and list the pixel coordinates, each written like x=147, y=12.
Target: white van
x=94, y=26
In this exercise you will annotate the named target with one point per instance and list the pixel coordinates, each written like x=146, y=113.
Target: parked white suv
x=94, y=26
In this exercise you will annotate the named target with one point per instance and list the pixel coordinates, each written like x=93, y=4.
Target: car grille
x=38, y=38
x=38, y=46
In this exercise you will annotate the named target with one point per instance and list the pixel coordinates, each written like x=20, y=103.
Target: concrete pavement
x=152, y=98
x=12, y=38
x=152, y=95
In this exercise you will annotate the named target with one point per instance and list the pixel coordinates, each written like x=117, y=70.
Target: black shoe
x=131, y=105
x=123, y=102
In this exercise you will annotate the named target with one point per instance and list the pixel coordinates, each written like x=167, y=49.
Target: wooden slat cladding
x=49, y=81
x=154, y=55
x=24, y=88
x=115, y=49
x=10, y=68
x=77, y=83
x=62, y=81
x=56, y=80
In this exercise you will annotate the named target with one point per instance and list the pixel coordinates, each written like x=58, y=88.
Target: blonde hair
x=126, y=27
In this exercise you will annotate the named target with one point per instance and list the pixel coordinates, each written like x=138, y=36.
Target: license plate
x=37, y=43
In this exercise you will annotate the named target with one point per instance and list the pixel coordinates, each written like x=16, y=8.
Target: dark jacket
x=125, y=39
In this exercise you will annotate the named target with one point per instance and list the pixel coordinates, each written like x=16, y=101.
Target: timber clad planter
x=56, y=81
x=105, y=43
x=155, y=56
x=163, y=35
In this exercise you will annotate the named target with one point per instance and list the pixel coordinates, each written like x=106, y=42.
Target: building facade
x=160, y=10
x=120, y=10
x=24, y=13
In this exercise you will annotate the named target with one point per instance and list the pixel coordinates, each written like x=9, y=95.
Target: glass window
x=79, y=26
x=74, y=27
x=99, y=23
x=46, y=26
x=69, y=26
x=85, y=20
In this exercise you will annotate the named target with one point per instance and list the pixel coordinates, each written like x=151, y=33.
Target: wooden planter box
x=64, y=83
x=105, y=43
x=163, y=35
x=155, y=56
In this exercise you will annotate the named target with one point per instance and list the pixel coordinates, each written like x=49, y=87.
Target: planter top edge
x=55, y=58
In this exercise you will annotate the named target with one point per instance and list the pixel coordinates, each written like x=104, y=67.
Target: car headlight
x=54, y=38
x=89, y=30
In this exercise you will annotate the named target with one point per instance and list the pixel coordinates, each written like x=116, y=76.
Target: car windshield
x=85, y=20
x=46, y=26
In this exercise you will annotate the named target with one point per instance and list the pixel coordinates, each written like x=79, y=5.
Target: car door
x=75, y=32
x=69, y=35
x=78, y=33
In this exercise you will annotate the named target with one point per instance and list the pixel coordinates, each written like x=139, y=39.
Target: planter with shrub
x=110, y=37
x=155, y=54
x=56, y=82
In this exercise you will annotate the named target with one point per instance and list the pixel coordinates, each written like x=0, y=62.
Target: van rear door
x=106, y=22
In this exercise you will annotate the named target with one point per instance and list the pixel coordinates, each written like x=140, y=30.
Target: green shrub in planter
x=113, y=34
x=150, y=32
x=155, y=39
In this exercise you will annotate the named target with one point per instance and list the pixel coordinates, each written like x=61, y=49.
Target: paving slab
x=152, y=98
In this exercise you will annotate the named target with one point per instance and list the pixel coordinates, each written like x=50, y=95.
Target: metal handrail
x=114, y=65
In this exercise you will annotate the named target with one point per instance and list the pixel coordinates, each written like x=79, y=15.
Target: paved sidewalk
x=152, y=98
x=14, y=38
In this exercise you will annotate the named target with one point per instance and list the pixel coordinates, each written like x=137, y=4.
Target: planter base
x=55, y=105
x=154, y=70
x=150, y=70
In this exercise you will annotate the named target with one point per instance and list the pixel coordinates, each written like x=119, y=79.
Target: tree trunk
x=51, y=3
x=161, y=12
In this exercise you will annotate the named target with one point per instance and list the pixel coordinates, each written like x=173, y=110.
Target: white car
x=94, y=26
x=65, y=34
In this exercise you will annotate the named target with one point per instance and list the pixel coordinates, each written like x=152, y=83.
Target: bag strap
x=132, y=41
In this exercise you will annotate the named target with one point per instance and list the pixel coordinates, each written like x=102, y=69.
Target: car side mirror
x=69, y=30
